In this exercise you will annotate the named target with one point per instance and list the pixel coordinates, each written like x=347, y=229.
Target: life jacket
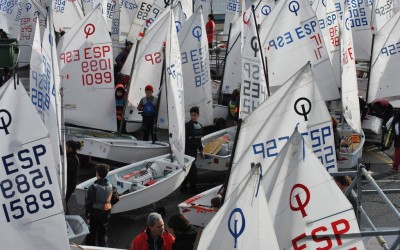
x=120, y=101
x=232, y=105
x=149, y=109
x=197, y=131
x=102, y=195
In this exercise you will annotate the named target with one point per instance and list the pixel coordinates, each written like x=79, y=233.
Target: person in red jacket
x=155, y=237
x=210, y=29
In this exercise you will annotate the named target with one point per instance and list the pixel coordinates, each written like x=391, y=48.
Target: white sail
x=10, y=15
x=187, y=7
x=31, y=12
x=383, y=11
x=196, y=68
x=263, y=9
x=233, y=64
x=127, y=14
x=43, y=93
x=179, y=15
x=350, y=103
x=175, y=96
x=328, y=19
x=232, y=12
x=265, y=131
x=254, y=86
x=206, y=5
x=66, y=14
x=291, y=37
x=147, y=67
x=115, y=31
x=385, y=73
x=136, y=26
x=243, y=222
x=86, y=65
x=32, y=213
x=304, y=200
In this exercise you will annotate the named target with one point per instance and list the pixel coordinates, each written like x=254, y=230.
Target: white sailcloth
x=116, y=23
x=350, y=103
x=305, y=201
x=147, y=67
x=243, y=222
x=383, y=11
x=127, y=14
x=86, y=65
x=263, y=9
x=232, y=12
x=265, y=131
x=291, y=36
x=32, y=213
x=10, y=15
x=175, y=96
x=187, y=7
x=43, y=93
x=31, y=12
x=206, y=5
x=179, y=15
x=385, y=72
x=233, y=61
x=329, y=18
x=139, y=20
x=66, y=14
x=196, y=68
x=254, y=86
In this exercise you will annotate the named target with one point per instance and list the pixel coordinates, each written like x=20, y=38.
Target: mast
x=225, y=185
x=369, y=68
x=261, y=53
x=162, y=79
x=129, y=86
x=223, y=72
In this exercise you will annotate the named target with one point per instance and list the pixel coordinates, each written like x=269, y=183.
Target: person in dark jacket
x=193, y=134
x=72, y=167
x=98, y=207
x=148, y=108
x=185, y=234
x=396, y=131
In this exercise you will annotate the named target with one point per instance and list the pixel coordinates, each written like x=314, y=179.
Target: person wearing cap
x=148, y=108
x=120, y=61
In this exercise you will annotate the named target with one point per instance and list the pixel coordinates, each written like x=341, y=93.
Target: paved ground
x=125, y=226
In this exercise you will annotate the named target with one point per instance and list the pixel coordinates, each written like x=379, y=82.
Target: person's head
x=211, y=17
x=216, y=202
x=102, y=170
x=73, y=146
x=178, y=223
x=1, y=31
x=128, y=45
x=235, y=94
x=334, y=122
x=194, y=113
x=149, y=90
x=342, y=181
x=155, y=224
x=119, y=91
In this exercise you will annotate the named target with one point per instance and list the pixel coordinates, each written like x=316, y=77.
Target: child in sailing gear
x=148, y=107
x=98, y=207
x=194, y=132
x=120, y=98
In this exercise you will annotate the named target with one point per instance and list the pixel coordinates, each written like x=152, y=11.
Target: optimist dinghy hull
x=76, y=229
x=217, y=150
x=351, y=156
x=142, y=183
x=197, y=209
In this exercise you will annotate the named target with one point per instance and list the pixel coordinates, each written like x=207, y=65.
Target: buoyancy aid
x=102, y=195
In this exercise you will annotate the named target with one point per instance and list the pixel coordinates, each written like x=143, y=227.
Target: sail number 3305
x=26, y=191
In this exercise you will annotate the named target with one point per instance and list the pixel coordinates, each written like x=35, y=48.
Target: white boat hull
x=220, y=111
x=75, y=132
x=122, y=150
x=135, y=189
x=215, y=161
x=76, y=229
x=133, y=126
x=351, y=159
x=197, y=209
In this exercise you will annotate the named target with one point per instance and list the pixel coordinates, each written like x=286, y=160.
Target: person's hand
x=87, y=221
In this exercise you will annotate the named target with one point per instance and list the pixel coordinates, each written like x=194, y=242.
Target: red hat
x=149, y=88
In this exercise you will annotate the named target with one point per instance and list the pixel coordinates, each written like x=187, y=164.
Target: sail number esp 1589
x=26, y=185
